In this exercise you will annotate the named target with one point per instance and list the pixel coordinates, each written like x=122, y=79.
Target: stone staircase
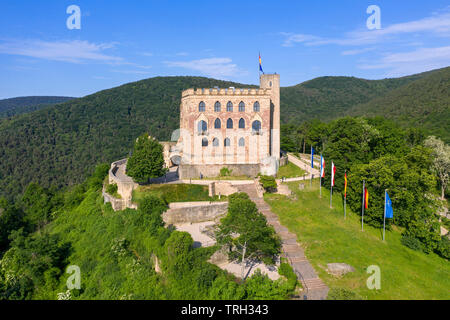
x=314, y=288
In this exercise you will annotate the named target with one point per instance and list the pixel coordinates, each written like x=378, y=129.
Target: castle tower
x=272, y=81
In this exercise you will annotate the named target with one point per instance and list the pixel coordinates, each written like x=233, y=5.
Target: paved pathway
x=314, y=287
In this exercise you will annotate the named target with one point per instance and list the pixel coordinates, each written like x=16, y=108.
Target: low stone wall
x=190, y=171
x=194, y=212
x=221, y=188
x=117, y=204
x=284, y=161
x=125, y=185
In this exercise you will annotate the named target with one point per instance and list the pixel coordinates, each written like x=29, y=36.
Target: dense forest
x=59, y=145
x=121, y=255
x=15, y=106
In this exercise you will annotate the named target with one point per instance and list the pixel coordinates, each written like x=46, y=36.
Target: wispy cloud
x=73, y=51
x=404, y=63
x=438, y=24
x=213, y=67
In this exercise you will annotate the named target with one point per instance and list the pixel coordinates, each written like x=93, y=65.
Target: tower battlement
x=226, y=92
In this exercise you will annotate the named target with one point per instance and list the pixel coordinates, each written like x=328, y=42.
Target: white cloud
x=356, y=51
x=213, y=67
x=74, y=51
x=404, y=63
x=438, y=24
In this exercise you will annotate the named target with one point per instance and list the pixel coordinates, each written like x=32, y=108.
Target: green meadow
x=290, y=171
x=327, y=237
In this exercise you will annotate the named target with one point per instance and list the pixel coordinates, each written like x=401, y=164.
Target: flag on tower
x=260, y=66
x=333, y=171
x=322, y=167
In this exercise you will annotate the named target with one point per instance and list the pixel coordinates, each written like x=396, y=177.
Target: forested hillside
x=14, y=106
x=424, y=103
x=60, y=145
x=327, y=98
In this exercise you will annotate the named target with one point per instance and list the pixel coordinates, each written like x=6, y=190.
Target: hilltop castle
x=234, y=128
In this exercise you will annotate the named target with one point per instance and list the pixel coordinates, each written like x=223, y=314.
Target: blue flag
x=312, y=157
x=389, y=211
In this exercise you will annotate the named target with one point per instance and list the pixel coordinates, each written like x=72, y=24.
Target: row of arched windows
x=226, y=142
x=218, y=106
x=203, y=126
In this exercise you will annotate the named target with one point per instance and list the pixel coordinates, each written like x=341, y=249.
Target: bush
x=343, y=294
x=238, y=196
x=286, y=270
x=269, y=184
x=412, y=243
x=112, y=189
x=443, y=248
x=225, y=172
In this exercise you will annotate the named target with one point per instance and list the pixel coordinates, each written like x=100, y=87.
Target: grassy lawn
x=175, y=192
x=290, y=171
x=327, y=238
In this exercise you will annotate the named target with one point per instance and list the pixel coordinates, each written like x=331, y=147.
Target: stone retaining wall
x=194, y=212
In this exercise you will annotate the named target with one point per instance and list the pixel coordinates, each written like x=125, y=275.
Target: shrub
x=112, y=189
x=225, y=172
x=269, y=184
x=238, y=196
x=286, y=270
x=412, y=243
x=343, y=294
x=443, y=247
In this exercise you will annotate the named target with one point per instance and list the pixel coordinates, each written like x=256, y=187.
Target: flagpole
x=312, y=162
x=362, y=215
x=320, y=174
x=345, y=199
x=384, y=220
x=331, y=197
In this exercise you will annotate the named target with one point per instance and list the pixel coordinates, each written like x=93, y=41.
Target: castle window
x=241, y=124
x=201, y=107
x=217, y=106
x=202, y=126
x=204, y=142
x=241, y=142
x=215, y=142
x=256, y=106
x=256, y=126
x=241, y=106
x=229, y=124
x=229, y=106
x=226, y=142
x=217, y=124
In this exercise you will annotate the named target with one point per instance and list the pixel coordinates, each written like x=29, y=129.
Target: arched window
x=217, y=106
x=217, y=124
x=241, y=106
x=229, y=123
x=202, y=126
x=241, y=142
x=256, y=126
x=201, y=107
x=226, y=142
x=241, y=123
x=215, y=142
x=256, y=106
x=204, y=142
x=229, y=106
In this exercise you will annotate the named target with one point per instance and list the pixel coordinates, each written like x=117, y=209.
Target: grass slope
x=327, y=238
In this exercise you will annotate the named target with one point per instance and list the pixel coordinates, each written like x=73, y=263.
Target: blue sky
x=124, y=41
